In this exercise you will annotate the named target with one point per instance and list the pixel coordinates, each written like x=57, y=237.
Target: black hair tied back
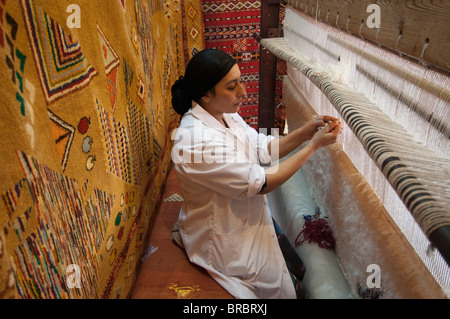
x=181, y=101
x=203, y=72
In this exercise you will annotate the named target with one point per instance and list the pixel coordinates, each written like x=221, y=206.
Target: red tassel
x=318, y=231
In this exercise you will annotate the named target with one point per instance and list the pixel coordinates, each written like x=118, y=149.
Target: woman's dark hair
x=203, y=72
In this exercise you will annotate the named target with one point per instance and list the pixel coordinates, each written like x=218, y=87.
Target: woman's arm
x=280, y=173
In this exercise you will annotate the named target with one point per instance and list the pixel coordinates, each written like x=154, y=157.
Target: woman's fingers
x=334, y=127
x=325, y=118
x=331, y=124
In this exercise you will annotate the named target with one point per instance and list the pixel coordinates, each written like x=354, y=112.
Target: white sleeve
x=217, y=164
x=261, y=140
x=233, y=180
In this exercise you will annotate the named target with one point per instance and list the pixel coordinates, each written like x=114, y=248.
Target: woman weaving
x=225, y=222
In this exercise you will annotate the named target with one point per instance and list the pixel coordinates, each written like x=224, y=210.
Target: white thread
x=392, y=133
x=396, y=45
x=376, y=37
x=423, y=50
x=360, y=28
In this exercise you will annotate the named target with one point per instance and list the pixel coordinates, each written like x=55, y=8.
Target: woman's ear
x=208, y=96
x=206, y=99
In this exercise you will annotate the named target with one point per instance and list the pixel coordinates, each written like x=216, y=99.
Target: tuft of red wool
x=318, y=231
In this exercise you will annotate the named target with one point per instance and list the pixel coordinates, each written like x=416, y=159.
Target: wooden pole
x=270, y=16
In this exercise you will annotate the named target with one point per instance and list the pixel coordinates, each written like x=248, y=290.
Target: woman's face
x=227, y=95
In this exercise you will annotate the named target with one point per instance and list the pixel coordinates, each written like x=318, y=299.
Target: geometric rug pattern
x=61, y=63
x=231, y=27
x=86, y=124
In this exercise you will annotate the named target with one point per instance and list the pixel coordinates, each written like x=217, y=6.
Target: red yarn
x=316, y=230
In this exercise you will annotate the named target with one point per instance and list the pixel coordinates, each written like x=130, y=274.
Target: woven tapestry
x=194, y=40
x=86, y=122
x=230, y=26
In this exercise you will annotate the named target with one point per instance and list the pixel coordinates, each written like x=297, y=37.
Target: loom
x=385, y=188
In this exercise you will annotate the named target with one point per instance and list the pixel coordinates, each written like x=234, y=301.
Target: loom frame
x=434, y=57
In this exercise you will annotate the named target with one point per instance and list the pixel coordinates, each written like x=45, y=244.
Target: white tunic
x=226, y=227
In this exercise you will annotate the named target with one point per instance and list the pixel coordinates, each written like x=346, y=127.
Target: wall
x=85, y=120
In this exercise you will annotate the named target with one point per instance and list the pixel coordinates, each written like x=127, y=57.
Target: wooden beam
x=270, y=18
x=416, y=28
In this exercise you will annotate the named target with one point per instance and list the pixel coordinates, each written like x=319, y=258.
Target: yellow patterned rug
x=86, y=122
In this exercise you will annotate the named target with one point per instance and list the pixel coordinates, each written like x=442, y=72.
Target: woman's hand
x=323, y=130
x=327, y=134
x=317, y=122
x=290, y=142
